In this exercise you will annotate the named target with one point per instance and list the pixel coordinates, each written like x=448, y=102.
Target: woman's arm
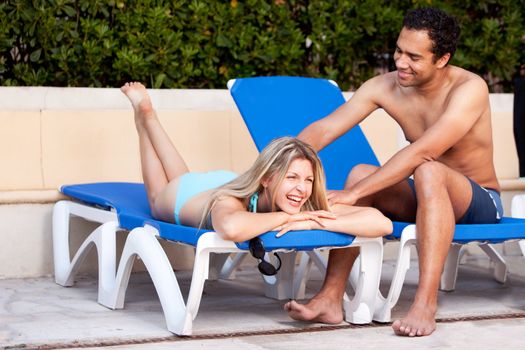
x=234, y=223
x=359, y=221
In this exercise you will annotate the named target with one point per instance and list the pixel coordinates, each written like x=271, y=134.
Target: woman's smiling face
x=296, y=187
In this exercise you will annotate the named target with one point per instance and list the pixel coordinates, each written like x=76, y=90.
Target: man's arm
x=465, y=108
x=324, y=131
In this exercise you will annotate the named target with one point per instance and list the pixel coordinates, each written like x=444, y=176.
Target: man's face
x=414, y=58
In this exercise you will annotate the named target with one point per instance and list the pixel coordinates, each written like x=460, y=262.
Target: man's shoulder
x=369, y=91
x=385, y=78
x=466, y=83
x=463, y=78
x=383, y=82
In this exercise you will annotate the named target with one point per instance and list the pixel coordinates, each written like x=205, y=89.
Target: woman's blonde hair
x=274, y=160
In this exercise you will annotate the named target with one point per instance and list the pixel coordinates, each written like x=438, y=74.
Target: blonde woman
x=284, y=190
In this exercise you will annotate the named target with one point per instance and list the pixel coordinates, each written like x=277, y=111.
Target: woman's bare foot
x=140, y=100
x=318, y=309
x=419, y=321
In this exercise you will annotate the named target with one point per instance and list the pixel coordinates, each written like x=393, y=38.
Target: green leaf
x=159, y=79
x=35, y=55
x=70, y=11
x=223, y=41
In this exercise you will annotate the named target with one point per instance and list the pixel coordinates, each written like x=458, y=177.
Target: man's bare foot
x=139, y=98
x=419, y=321
x=321, y=310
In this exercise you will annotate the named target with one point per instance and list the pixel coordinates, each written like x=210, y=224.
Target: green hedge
x=202, y=44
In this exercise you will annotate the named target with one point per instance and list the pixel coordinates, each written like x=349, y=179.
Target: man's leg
x=443, y=197
x=326, y=306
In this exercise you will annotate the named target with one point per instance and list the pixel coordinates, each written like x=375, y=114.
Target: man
x=444, y=112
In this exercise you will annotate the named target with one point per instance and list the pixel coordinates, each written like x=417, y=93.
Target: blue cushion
x=130, y=202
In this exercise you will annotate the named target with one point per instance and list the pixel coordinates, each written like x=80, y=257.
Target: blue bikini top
x=253, y=202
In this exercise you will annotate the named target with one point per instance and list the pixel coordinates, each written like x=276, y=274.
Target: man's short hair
x=442, y=28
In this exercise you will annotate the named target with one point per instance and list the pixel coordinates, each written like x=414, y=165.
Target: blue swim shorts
x=191, y=184
x=485, y=206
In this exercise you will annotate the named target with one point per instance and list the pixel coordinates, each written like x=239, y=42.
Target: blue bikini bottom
x=191, y=184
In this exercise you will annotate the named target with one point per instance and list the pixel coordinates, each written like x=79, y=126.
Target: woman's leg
x=160, y=161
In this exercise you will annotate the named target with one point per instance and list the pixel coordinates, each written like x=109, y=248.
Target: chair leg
x=302, y=274
x=361, y=308
x=384, y=309
x=199, y=276
x=319, y=261
x=522, y=246
x=103, y=238
x=208, y=242
x=281, y=286
x=229, y=269
x=217, y=262
x=61, y=256
x=106, y=248
x=450, y=270
x=500, y=265
x=142, y=242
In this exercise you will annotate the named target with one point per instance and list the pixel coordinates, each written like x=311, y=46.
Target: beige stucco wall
x=20, y=150
x=55, y=136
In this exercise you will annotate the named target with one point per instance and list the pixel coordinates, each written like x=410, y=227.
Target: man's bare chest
x=414, y=121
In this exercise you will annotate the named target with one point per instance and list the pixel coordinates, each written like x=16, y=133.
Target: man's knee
x=359, y=172
x=429, y=177
x=430, y=171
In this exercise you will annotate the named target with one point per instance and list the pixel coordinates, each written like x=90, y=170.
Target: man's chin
x=403, y=82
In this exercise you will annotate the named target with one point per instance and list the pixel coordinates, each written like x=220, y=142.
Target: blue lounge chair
x=277, y=106
x=124, y=206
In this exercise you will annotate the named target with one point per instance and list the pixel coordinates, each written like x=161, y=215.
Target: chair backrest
x=282, y=106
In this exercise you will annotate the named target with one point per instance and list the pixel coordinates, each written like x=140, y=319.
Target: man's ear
x=442, y=62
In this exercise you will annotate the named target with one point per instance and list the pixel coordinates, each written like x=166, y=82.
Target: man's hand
x=341, y=197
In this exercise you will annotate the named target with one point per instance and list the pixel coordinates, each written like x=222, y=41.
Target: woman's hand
x=315, y=215
x=307, y=220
